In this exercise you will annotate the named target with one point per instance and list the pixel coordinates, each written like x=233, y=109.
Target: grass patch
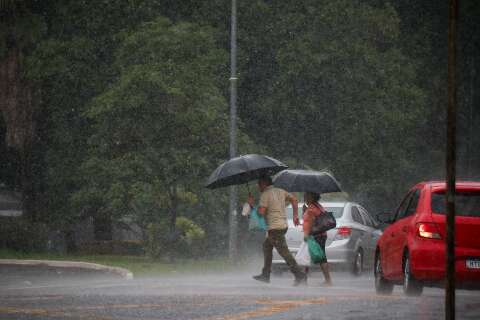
x=139, y=265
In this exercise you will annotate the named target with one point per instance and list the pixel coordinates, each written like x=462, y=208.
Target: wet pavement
x=45, y=293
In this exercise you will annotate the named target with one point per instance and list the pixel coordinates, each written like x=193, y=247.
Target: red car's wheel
x=382, y=285
x=411, y=286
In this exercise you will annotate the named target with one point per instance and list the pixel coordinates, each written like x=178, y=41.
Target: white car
x=352, y=243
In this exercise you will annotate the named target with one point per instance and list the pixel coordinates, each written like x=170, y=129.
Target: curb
x=125, y=273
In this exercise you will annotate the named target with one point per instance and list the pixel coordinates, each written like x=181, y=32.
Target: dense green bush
x=121, y=247
x=186, y=242
x=21, y=235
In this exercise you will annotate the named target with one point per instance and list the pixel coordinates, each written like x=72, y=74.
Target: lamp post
x=451, y=160
x=232, y=247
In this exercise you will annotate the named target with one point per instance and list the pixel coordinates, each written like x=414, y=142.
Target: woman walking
x=311, y=210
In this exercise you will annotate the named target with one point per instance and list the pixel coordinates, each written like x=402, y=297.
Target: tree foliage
x=131, y=109
x=160, y=125
x=342, y=91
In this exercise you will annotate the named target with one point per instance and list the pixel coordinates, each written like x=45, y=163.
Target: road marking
x=368, y=296
x=292, y=302
x=67, y=312
x=100, y=284
x=47, y=297
x=119, y=306
x=272, y=308
x=33, y=312
x=279, y=306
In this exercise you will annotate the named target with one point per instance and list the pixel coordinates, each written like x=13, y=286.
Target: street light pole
x=451, y=160
x=232, y=252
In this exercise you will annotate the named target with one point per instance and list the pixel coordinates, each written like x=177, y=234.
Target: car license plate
x=473, y=264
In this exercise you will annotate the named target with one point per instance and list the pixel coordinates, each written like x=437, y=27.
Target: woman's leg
x=324, y=264
x=326, y=273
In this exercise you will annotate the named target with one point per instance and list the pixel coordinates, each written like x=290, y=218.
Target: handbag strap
x=320, y=207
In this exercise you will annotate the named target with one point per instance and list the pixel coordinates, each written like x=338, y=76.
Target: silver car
x=352, y=243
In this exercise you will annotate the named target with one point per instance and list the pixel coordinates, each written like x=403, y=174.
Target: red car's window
x=412, y=207
x=466, y=203
x=409, y=205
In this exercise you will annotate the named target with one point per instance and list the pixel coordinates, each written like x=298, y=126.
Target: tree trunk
x=17, y=108
x=173, y=210
x=471, y=102
x=173, y=237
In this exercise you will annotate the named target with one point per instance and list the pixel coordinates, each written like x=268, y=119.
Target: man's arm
x=294, y=202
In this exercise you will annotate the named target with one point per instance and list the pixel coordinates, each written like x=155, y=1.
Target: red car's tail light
x=428, y=230
x=343, y=233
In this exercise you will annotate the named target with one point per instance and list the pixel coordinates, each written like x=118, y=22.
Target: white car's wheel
x=357, y=267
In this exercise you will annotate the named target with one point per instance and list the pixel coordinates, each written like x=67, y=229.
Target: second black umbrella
x=306, y=181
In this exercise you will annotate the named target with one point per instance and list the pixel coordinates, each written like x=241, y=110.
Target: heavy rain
x=231, y=160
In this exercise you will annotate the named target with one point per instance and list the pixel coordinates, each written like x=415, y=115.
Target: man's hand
x=251, y=200
x=262, y=211
x=294, y=203
x=296, y=221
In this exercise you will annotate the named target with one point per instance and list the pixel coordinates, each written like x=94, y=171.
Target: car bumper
x=428, y=261
x=337, y=252
x=341, y=252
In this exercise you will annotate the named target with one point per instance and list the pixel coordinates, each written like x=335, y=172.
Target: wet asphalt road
x=49, y=293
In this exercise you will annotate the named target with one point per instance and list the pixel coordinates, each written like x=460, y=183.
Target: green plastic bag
x=257, y=221
x=316, y=252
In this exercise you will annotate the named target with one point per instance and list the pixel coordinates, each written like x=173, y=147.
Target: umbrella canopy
x=306, y=181
x=243, y=169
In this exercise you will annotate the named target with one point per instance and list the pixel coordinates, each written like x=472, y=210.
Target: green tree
x=72, y=64
x=342, y=95
x=159, y=127
x=20, y=28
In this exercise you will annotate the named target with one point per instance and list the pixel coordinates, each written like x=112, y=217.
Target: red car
x=412, y=249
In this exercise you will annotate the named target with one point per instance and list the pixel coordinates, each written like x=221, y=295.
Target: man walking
x=272, y=207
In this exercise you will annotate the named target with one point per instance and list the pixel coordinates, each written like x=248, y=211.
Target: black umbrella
x=306, y=181
x=243, y=169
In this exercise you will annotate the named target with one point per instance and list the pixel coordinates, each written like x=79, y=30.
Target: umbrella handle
x=250, y=196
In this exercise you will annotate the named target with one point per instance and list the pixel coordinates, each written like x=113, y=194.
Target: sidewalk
x=68, y=265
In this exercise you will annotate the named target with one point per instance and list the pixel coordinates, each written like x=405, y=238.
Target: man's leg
x=267, y=255
x=279, y=242
x=267, y=261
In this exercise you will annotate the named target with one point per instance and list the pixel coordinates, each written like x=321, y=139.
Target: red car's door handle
x=392, y=234
x=405, y=229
